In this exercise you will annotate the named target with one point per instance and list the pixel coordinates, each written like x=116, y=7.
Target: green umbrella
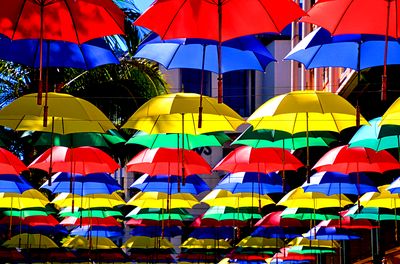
x=112, y=137
x=376, y=137
x=221, y=213
x=159, y=214
x=308, y=214
x=372, y=213
x=310, y=250
x=266, y=138
x=33, y=211
x=93, y=212
x=175, y=140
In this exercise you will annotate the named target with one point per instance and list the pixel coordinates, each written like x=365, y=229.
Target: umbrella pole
x=183, y=150
x=283, y=171
x=395, y=222
x=179, y=181
x=201, y=89
x=51, y=152
x=10, y=227
x=40, y=88
x=384, y=75
x=308, y=150
x=219, y=52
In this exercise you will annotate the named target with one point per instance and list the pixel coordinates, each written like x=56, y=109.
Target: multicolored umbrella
x=174, y=140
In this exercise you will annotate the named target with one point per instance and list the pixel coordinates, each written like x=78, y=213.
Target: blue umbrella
x=276, y=232
x=251, y=182
x=97, y=231
x=13, y=183
x=223, y=232
x=330, y=233
x=357, y=52
x=330, y=183
x=57, y=53
x=394, y=187
x=95, y=183
x=169, y=184
x=244, y=53
x=156, y=231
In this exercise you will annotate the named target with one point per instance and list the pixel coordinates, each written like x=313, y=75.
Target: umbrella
x=267, y=138
x=169, y=184
x=102, y=212
x=251, y=182
x=260, y=17
x=177, y=113
x=329, y=183
x=97, y=231
x=158, y=214
x=172, y=140
x=275, y=219
x=330, y=233
x=10, y=164
x=26, y=240
x=347, y=17
x=222, y=232
x=347, y=222
x=302, y=241
x=79, y=242
x=376, y=137
x=82, y=184
x=144, y=242
x=29, y=211
x=225, y=198
x=310, y=250
x=260, y=243
x=211, y=222
x=82, y=160
x=372, y=213
x=305, y=111
x=309, y=213
x=65, y=20
x=276, y=232
x=91, y=220
x=146, y=222
x=205, y=243
x=88, y=201
x=13, y=183
x=104, y=140
x=391, y=116
x=79, y=116
x=156, y=231
x=222, y=213
x=163, y=200
x=169, y=161
x=244, y=53
x=28, y=199
x=55, y=53
x=353, y=50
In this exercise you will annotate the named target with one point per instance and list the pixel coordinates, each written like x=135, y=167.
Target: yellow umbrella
x=260, y=242
x=220, y=197
x=304, y=111
x=79, y=242
x=147, y=242
x=302, y=241
x=382, y=199
x=194, y=243
x=88, y=201
x=392, y=114
x=297, y=198
x=160, y=200
x=179, y=113
x=28, y=199
x=66, y=114
x=26, y=240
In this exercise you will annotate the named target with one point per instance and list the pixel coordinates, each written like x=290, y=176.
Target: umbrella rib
x=172, y=20
x=341, y=17
x=266, y=11
x=18, y=19
x=73, y=22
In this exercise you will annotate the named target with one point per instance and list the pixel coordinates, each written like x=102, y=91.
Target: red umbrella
x=92, y=221
x=264, y=160
x=348, y=223
x=64, y=20
x=81, y=160
x=168, y=161
x=146, y=222
x=358, y=159
x=10, y=164
x=39, y=220
x=274, y=219
x=285, y=255
x=218, y=20
x=210, y=222
x=353, y=17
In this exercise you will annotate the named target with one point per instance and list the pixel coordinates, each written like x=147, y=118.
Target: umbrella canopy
x=302, y=241
x=10, y=164
x=93, y=221
x=85, y=56
x=159, y=214
x=330, y=233
x=13, y=183
x=80, y=116
x=252, y=182
x=353, y=50
x=170, y=184
x=213, y=233
x=163, y=200
x=392, y=114
x=168, y=161
x=358, y=159
x=222, y=213
x=376, y=137
x=310, y=213
x=179, y=113
x=32, y=221
x=274, y=219
x=205, y=243
x=347, y=222
x=156, y=231
x=88, y=201
x=97, y=231
x=79, y=242
x=26, y=240
x=310, y=250
x=211, y=222
x=338, y=183
x=372, y=213
x=146, y=222
x=260, y=242
x=102, y=212
x=82, y=184
x=144, y=242
x=268, y=138
x=174, y=140
x=28, y=199
x=264, y=160
x=26, y=212
x=82, y=160
x=244, y=53
x=297, y=198
x=381, y=198
x=225, y=198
